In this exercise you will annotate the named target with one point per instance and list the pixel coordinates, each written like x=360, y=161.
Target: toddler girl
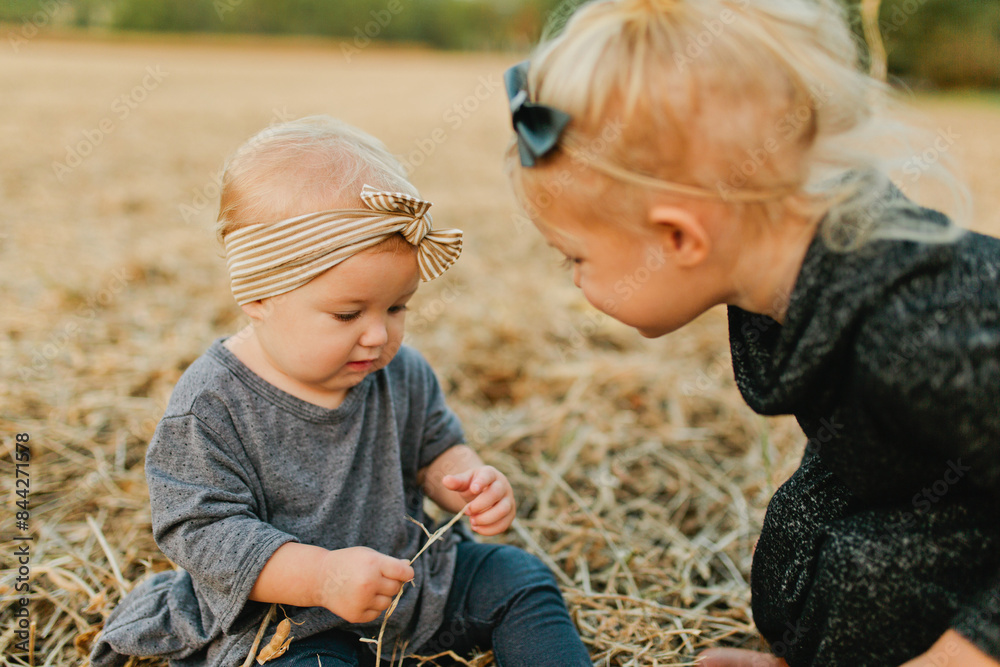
x=734, y=141
x=294, y=454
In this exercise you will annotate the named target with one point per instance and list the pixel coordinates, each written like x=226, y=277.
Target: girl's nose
x=375, y=334
x=576, y=275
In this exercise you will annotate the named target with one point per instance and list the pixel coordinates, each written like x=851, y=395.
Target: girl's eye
x=568, y=262
x=397, y=309
x=347, y=317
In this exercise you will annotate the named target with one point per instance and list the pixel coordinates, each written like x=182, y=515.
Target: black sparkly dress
x=888, y=534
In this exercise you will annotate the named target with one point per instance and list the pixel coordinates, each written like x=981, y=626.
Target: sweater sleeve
x=935, y=373
x=431, y=426
x=207, y=517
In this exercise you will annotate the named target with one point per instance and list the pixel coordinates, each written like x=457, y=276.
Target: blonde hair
x=311, y=164
x=757, y=103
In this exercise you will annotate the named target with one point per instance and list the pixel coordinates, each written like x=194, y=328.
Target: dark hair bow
x=537, y=126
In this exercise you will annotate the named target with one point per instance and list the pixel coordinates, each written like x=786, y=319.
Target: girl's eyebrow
x=559, y=248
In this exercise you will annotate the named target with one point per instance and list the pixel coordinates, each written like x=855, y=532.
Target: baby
x=294, y=454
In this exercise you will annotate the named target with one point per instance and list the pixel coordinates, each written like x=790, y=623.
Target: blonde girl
x=738, y=143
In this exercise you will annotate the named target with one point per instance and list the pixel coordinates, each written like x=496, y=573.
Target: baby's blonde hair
x=311, y=164
x=759, y=103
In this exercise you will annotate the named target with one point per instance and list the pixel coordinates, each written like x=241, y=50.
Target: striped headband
x=269, y=259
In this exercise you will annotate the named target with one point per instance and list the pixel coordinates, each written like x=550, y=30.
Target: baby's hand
x=360, y=583
x=493, y=508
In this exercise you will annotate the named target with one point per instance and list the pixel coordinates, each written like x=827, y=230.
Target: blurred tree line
x=930, y=42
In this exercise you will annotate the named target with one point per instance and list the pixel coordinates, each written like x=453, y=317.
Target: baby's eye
x=347, y=317
x=397, y=309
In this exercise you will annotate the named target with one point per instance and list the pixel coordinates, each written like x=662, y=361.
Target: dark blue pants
x=502, y=598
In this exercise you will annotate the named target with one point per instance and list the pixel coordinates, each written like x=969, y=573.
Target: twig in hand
x=432, y=539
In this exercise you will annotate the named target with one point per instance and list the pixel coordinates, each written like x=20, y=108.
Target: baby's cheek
x=389, y=351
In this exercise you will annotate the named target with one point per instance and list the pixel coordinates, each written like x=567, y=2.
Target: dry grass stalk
x=272, y=610
x=431, y=540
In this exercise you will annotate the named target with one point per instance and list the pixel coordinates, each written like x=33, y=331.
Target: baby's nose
x=375, y=334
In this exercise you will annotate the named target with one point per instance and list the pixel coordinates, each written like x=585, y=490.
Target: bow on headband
x=537, y=126
x=270, y=259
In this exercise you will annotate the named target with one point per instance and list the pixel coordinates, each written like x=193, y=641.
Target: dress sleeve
x=979, y=621
x=206, y=511
x=936, y=374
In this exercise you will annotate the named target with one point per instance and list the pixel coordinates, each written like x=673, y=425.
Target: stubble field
x=641, y=476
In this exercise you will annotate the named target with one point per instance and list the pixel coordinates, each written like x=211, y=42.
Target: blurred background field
x=641, y=475
x=931, y=42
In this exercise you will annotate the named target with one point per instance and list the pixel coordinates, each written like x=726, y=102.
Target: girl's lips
x=360, y=365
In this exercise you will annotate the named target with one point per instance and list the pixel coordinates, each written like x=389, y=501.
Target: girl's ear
x=683, y=235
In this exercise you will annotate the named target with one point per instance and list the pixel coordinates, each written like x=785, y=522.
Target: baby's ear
x=257, y=310
x=682, y=233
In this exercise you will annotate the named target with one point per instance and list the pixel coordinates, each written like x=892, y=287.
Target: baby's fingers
x=459, y=482
x=380, y=603
x=502, y=508
x=396, y=570
x=496, y=519
x=493, y=494
x=482, y=478
x=387, y=586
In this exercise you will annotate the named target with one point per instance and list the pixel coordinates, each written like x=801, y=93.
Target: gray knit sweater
x=238, y=467
x=889, y=532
